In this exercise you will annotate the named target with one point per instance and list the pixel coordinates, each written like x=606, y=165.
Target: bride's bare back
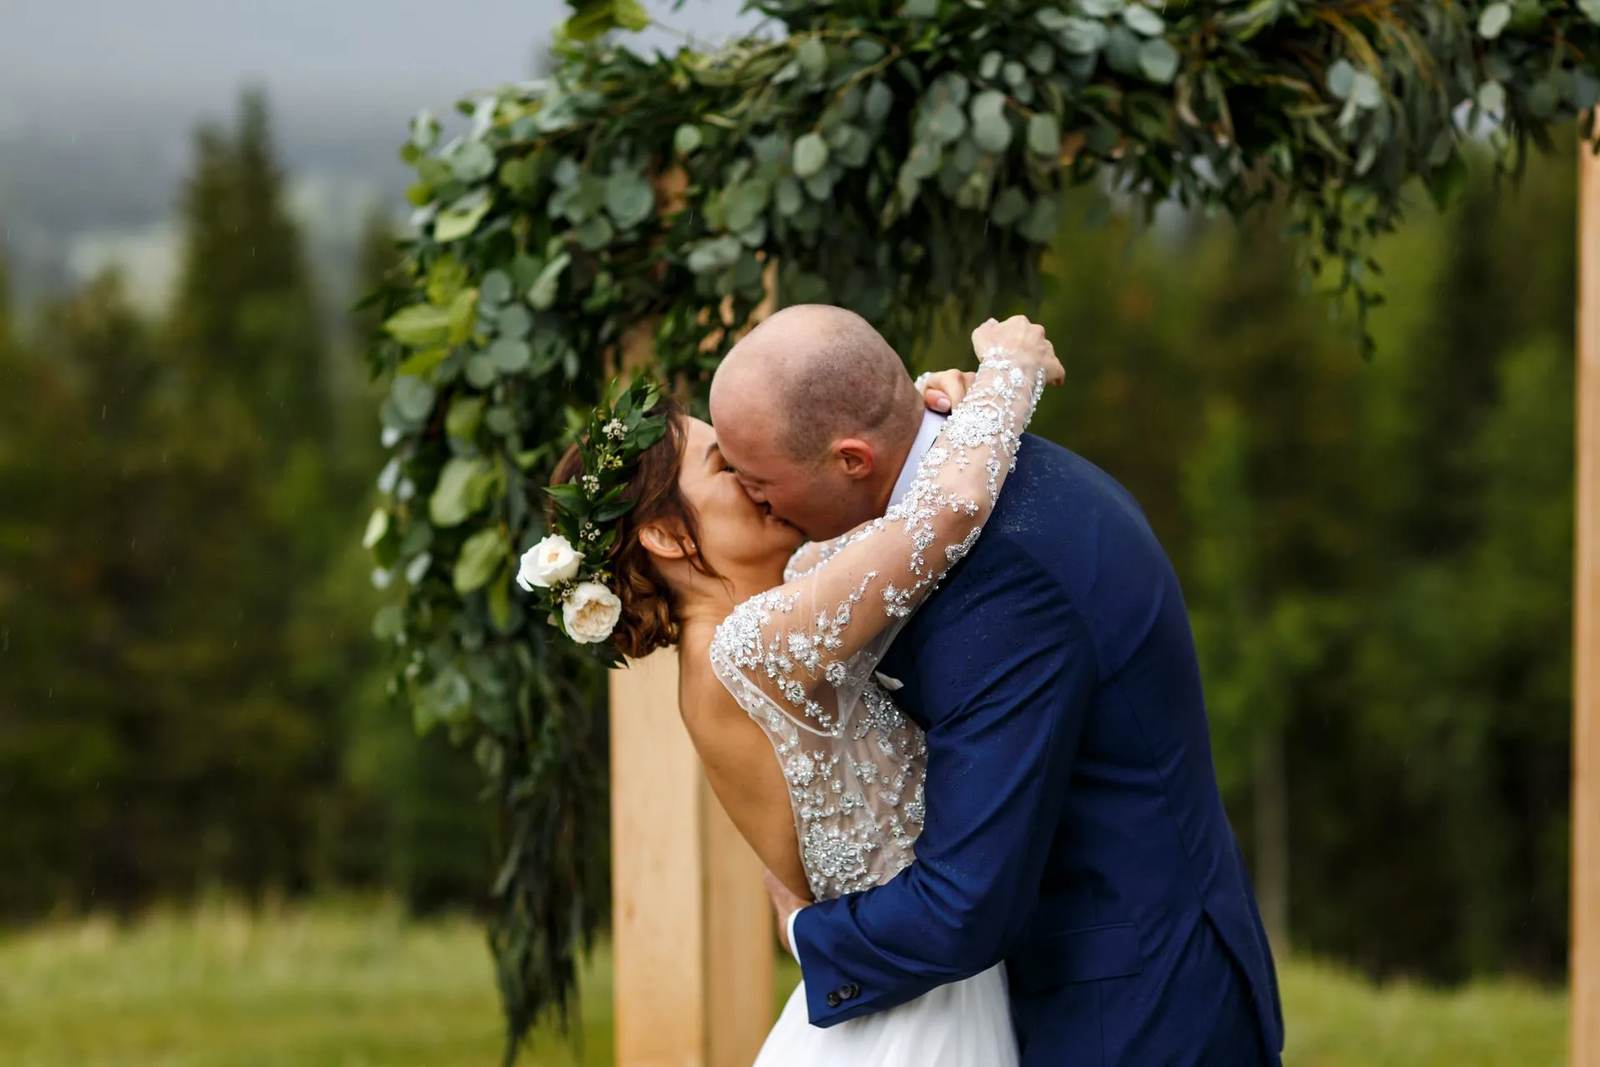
x=739, y=761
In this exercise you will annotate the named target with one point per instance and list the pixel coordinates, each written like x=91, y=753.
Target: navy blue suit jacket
x=1074, y=829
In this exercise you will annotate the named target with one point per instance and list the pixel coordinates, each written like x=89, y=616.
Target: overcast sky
x=364, y=51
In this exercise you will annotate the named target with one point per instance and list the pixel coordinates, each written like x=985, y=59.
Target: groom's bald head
x=816, y=412
x=817, y=373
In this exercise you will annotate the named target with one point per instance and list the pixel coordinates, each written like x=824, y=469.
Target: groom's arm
x=1007, y=681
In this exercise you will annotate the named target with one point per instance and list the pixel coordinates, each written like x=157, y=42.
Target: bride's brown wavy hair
x=648, y=621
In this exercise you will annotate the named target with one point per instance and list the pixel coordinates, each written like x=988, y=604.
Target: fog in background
x=99, y=100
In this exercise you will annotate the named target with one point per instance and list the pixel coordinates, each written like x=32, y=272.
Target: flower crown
x=568, y=568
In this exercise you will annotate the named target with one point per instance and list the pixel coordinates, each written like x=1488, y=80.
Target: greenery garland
x=900, y=159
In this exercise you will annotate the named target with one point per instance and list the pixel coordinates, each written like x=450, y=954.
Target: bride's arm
x=793, y=641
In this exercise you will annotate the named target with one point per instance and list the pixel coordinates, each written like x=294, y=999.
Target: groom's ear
x=665, y=541
x=855, y=458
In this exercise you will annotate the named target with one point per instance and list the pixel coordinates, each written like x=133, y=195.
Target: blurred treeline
x=190, y=696
x=1377, y=558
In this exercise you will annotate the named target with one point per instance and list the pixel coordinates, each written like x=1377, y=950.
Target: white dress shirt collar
x=932, y=421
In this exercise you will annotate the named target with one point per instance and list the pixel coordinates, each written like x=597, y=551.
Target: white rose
x=548, y=562
x=591, y=612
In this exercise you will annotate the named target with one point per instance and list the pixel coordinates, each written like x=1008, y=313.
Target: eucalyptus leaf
x=948, y=123
x=990, y=127
x=1158, y=60
x=450, y=503
x=463, y=313
x=473, y=162
x=1491, y=97
x=423, y=363
x=498, y=599
x=413, y=398
x=812, y=55
x=377, y=526
x=419, y=325
x=461, y=217
x=480, y=372
x=855, y=146
x=1493, y=20
x=629, y=199
x=866, y=50
x=510, y=355
x=919, y=9
x=1009, y=207
x=1052, y=19
x=1041, y=58
x=1142, y=20
x=788, y=197
x=687, y=139
x=1341, y=79
x=989, y=65
x=542, y=293
x=1084, y=36
x=810, y=155
x=1044, y=135
x=481, y=557
x=446, y=278
x=388, y=622
x=714, y=255
x=879, y=102
x=744, y=203
x=464, y=417
x=595, y=233
x=496, y=288
x=513, y=321
x=1365, y=92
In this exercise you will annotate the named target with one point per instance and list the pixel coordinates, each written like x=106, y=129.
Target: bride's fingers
x=943, y=390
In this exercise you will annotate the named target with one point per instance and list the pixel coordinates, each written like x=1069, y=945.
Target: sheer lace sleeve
x=794, y=649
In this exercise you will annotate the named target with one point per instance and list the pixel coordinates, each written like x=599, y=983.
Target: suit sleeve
x=1007, y=673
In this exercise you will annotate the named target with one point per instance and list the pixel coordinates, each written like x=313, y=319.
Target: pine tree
x=245, y=312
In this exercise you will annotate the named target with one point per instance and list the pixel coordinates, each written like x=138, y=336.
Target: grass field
x=359, y=986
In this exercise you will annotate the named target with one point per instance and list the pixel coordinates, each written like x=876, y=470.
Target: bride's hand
x=1025, y=341
x=942, y=390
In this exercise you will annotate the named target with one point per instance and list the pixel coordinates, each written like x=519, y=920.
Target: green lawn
x=358, y=986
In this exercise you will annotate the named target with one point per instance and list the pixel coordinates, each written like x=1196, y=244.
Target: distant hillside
x=99, y=185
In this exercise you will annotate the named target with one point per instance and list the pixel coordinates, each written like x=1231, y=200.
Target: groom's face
x=817, y=499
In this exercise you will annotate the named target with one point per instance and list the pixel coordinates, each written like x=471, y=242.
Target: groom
x=1074, y=831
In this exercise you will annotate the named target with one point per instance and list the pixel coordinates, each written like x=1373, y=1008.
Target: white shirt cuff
x=794, y=946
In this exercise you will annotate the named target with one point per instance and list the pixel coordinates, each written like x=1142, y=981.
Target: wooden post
x=692, y=927
x=693, y=933
x=1584, y=962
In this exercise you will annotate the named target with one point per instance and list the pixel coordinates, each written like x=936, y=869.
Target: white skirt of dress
x=963, y=1024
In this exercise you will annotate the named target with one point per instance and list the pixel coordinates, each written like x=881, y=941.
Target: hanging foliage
x=903, y=161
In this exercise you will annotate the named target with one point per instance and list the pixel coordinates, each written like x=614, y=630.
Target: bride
x=778, y=650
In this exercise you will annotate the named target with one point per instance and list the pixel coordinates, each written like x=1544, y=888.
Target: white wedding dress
x=802, y=660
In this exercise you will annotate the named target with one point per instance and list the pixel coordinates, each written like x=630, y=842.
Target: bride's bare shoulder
x=703, y=699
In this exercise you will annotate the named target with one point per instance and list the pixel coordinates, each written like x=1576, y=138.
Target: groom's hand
x=785, y=904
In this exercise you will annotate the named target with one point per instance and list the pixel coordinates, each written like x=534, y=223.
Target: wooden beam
x=692, y=927
x=1584, y=962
